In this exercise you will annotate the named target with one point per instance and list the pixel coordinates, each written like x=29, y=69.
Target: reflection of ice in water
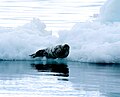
x=23, y=80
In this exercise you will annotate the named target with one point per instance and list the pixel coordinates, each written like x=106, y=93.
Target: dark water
x=56, y=79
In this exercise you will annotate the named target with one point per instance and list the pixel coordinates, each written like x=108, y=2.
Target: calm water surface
x=56, y=79
x=56, y=14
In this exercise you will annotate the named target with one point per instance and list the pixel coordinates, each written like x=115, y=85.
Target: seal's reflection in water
x=52, y=68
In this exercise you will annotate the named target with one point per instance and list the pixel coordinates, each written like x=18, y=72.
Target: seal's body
x=59, y=51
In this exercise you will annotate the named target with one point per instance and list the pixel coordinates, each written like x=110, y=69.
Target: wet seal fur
x=59, y=51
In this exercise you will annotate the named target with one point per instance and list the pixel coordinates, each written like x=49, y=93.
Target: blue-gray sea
x=58, y=79
x=82, y=74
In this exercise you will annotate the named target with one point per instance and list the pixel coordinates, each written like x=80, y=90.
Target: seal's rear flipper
x=40, y=53
x=33, y=55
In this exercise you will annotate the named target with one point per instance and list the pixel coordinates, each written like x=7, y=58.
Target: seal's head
x=66, y=47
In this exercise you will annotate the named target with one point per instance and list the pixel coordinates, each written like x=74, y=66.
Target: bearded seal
x=59, y=51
